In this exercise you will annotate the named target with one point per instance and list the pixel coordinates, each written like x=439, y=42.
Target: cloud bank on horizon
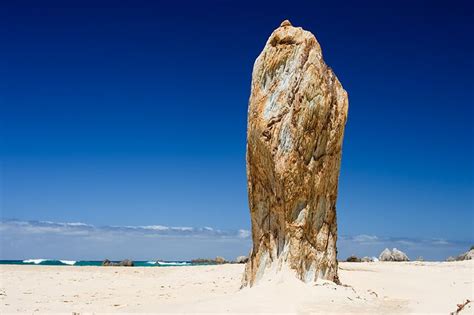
x=81, y=241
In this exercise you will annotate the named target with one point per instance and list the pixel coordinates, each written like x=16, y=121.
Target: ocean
x=54, y=262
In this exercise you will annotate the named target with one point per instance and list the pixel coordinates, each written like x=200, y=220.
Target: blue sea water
x=54, y=262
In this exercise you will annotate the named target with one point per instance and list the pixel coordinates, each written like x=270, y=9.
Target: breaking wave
x=54, y=262
x=163, y=263
x=34, y=261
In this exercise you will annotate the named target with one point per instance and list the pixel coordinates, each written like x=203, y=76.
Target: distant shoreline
x=61, y=262
x=137, y=263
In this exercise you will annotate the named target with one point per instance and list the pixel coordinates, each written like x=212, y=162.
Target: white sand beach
x=380, y=287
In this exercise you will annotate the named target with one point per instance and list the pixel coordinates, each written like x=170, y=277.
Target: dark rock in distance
x=123, y=263
x=353, y=259
x=126, y=263
x=217, y=260
x=241, y=259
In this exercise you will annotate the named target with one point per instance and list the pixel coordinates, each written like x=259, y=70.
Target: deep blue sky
x=134, y=113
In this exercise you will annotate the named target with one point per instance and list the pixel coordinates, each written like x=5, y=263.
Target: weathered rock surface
x=241, y=259
x=398, y=255
x=296, y=118
x=127, y=263
x=217, y=260
x=123, y=263
x=469, y=255
x=386, y=255
x=366, y=259
x=353, y=258
x=220, y=260
x=394, y=255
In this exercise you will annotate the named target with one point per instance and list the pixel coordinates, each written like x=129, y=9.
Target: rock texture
x=394, y=255
x=386, y=255
x=296, y=118
x=353, y=258
x=241, y=259
x=220, y=260
x=398, y=255
x=217, y=260
x=123, y=263
x=469, y=255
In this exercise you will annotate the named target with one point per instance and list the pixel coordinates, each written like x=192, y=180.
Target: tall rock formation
x=296, y=118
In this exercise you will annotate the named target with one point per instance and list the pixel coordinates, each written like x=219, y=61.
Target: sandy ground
x=414, y=287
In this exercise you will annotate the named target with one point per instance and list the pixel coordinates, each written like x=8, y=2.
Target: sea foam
x=162, y=263
x=34, y=261
x=68, y=262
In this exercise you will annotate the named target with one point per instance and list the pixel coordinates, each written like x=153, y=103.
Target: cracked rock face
x=296, y=118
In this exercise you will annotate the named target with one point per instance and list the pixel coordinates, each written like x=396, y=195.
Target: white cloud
x=440, y=242
x=77, y=240
x=60, y=223
x=406, y=242
x=182, y=228
x=244, y=233
x=76, y=228
x=151, y=227
x=77, y=224
x=363, y=238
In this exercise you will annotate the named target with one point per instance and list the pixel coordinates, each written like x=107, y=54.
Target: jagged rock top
x=287, y=34
x=285, y=23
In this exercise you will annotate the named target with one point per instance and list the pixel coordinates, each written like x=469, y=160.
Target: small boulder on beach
x=126, y=263
x=220, y=260
x=123, y=263
x=394, y=255
x=398, y=255
x=241, y=259
x=385, y=255
x=353, y=258
x=217, y=260
x=469, y=255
